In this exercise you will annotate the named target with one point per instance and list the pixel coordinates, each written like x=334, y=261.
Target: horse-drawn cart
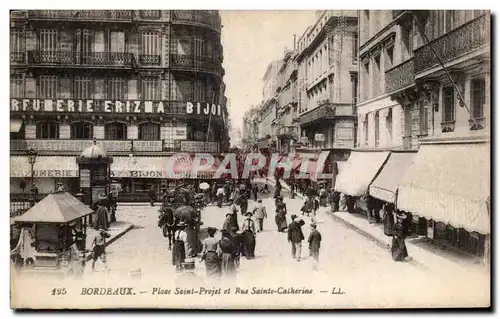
x=53, y=235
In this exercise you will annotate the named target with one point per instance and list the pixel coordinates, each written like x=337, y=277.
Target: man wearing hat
x=260, y=214
x=98, y=246
x=248, y=236
x=295, y=236
x=60, y=187
x=179, y=251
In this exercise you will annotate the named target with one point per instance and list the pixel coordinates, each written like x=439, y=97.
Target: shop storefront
x=357, y=174
x=449, y=185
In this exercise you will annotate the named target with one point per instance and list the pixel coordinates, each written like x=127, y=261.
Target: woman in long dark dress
x=210, y=254
x=179, y=251
x=280, y=217
x=248, y=237
x=226, y=246
x=398, y=248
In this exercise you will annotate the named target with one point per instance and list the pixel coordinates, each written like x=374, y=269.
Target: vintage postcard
x=206, y=159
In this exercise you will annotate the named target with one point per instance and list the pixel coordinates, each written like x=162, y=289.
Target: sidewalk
x=116, y=230
x=423, y=254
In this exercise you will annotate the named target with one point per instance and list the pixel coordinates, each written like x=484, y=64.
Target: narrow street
x=348, y=261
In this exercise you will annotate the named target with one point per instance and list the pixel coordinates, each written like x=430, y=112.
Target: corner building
x=144, y=83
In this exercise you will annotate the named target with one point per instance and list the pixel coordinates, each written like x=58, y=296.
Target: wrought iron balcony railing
x=452, y=45
x=84, y=15
x=150, y=14
x=108, y=59
x=209, y=64
x=400, y=76
x=149, y=59
x=17, y=57
x=198, y=17
x=328, y=111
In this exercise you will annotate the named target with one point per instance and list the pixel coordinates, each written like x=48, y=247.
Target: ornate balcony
x=448, y=126
x=400, y=76
x=197, y=17
x=150, y=14
x=477, y=124
x=70, y=58
x=469, y=36
x=149, y=59
x=82, y=15
x=197, y=63
x=328, y=111
x=17, y=57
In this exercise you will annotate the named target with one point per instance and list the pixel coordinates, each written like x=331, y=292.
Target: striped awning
x=15, y=125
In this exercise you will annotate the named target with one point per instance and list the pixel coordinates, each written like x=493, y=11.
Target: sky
x=251, y=40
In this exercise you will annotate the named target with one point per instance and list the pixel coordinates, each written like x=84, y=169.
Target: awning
x=359, y=171
x=449, y=183
x=139, y=167
x=384, y=187
x=45, y=166
x=15, y=125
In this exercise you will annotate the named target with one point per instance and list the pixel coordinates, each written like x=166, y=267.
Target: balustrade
x=100, y=15
x=454, y=44
x=81, y=58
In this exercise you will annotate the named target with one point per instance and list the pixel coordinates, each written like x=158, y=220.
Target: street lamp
x=32, y=154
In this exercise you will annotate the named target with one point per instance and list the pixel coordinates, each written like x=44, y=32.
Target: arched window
x=149, y=131
x=115, y=131
x=82, y=130
x=47, y=129
x=377, y=129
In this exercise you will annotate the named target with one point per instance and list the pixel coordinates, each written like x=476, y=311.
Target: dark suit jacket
x=295, y=234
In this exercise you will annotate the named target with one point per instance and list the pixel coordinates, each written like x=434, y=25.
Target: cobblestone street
x=348, y=261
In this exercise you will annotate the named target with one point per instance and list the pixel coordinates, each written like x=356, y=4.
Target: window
x=365, y=128
x=150, y=88
x=47, y=129
x=150, y=43
x=376, y=76
x=116, y=88
x=17, y=40
x=448, y=104
x=377, y=129
x=199, y=46
x=48, y=40
x=423, y=117
x=115, y=131
x=407, y=35
x=82, y=130
x=354, y=88
x=449, y=20
x=478, y=97
x=355, y=47
x=47, y=86
x=199, y=91
x=16, y=85
x=389, y=57
x=388, y=122
x=82, y=87
x=117, y=41
x=149, y=131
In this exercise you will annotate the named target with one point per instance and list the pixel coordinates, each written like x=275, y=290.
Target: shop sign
x=107, y=106
x=180, y=133
x=45, y=173
x=195, y=146
x=203, y=109
x=148, y=146
x=319, y=137
x=68, y=145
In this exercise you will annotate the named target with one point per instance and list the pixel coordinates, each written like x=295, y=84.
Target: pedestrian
x=248, y=234
x=220, y=196
x=226, y=255
x=314, y=241
x=101, y=221
x=277, y=187
x=322, y=196
x=316, y=207
x=99, y=247
x=295, y=236
x=266, y=189
x=255, y=191
x=210, y=255
x=308, y=205
x=292, y=189
x=280, y=217
x=60, y=187
x=398, y=247
x=234, y=215
x=152, y=195
x=260, y=213
x=179, y=251
x=237, y=241
x=243, y=202
x=342, y=202
x=228, y=221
